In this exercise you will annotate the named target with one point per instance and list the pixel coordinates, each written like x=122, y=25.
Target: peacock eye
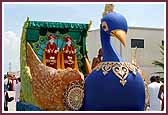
x=105, y=26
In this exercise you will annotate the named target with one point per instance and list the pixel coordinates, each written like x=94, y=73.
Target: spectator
x=17, y=89
x=155, y=103
x=9, y=85
x=98, y=59
x=158, y=79
x=161, y=96
x=6, y=96
x=6, y=100
x=5, y=83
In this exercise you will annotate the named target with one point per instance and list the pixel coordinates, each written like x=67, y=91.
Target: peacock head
x=115, y=25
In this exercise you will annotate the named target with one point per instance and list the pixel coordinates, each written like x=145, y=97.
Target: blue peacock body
x=114, y=85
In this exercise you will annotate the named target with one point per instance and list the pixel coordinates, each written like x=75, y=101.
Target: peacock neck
x=109, y=52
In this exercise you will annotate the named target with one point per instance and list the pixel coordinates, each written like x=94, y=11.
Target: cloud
x=11, y=51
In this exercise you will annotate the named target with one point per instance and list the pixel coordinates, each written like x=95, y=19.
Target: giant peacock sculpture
x=115, y=84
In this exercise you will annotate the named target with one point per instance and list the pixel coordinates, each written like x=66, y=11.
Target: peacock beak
x=120, y=35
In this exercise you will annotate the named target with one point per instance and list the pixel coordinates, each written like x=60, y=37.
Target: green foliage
x=158, y=63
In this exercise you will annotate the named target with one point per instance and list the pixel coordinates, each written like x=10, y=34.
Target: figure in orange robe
x=69, y=58
x=51, y=53
x=98, y=59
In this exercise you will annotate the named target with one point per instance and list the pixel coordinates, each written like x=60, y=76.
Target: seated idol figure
x=69, y=54
x=51, y=52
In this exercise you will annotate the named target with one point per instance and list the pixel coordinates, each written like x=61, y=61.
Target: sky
x=14, y=16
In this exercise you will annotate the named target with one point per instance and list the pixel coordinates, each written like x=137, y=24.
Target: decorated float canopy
x=38, y=32
x=44, y=87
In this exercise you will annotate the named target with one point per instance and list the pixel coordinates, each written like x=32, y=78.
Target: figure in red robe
x=51, y=53
x=98, y=59
x=69, y=54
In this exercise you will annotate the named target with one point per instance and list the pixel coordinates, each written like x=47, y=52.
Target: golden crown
x=108, y=8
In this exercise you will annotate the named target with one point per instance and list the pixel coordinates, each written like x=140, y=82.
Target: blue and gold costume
x=114, y=85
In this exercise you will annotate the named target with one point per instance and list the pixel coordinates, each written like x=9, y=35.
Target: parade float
x=56, y=75
x=54, y=62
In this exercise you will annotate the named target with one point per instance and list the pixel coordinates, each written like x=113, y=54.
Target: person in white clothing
x=158, y=80
x=17, y=90
x=155, y=103
x=5, y=83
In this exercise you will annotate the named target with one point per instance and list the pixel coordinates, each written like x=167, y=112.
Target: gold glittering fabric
x=49, y=85
x=120, y=69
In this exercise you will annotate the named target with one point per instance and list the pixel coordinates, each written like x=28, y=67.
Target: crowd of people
x=10, y=86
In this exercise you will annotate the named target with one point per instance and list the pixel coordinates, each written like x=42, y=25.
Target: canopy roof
x=60, y=25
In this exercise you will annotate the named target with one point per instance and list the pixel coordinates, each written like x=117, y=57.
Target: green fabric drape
x=32, y=35
x=40, y=24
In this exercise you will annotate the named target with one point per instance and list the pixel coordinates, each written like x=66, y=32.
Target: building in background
x=147, y=41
